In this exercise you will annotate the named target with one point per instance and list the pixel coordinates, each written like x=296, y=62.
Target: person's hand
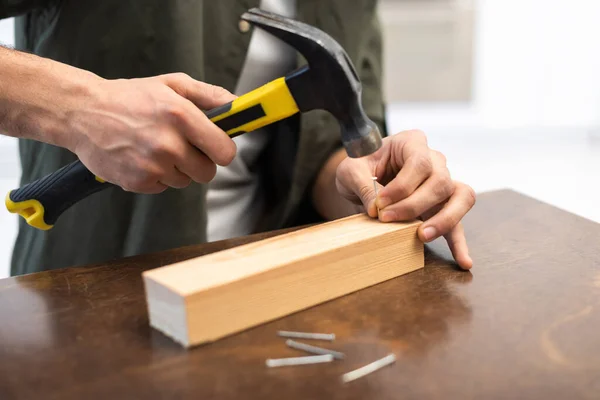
x=413, y=182
x=148, y=134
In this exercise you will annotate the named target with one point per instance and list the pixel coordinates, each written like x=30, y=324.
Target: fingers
x=203, y=134
x=416, y=167
x=442, y=223
x=175, y=179
x=146, y=186
x=170, y=162
x=199, y=130
x=354, y=182
x=445, y=221
x=420, y=186
x=156, y=188
x=204, y=95
x=458, y=246
x=367, y=195
x=197, y=166
x=436, y=190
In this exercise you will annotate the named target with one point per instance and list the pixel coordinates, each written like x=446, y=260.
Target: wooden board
x=213, y=296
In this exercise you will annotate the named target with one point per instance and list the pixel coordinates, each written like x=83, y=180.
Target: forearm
x=325, y=196
x=37, y=96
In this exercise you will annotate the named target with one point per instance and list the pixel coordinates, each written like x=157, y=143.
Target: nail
x=283, y=362
x=383, y=202
x=306, y=335
x=369, y=368
x=375, y=189
x=429, y=233
x=313, y=349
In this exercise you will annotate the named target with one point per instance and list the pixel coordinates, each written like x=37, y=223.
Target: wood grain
x=522, y=324
x=207, y=298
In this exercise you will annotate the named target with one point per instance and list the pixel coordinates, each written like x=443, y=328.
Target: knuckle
x=416, y=132
x=226, y=154
x=206, y=173
x=423, y=163
x=177, y=81
x=144, y=178
x=184, y=182
x=443, y=188
x=135, y=185
x=342, y=169
x=202, y=169
x=176, y=113
x=210, y=172
x=126, y=186
x=449, y=222
x=411, y=210
x=146, y=182
x=215, y=91
x=470, y=195
x=230, y=152
x=153, y=189
x=439, y=156
x=445, y=222
x=180, y=76
x=161, y=149
x=401, y=190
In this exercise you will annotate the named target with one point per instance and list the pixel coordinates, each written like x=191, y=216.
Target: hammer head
x=330, y=81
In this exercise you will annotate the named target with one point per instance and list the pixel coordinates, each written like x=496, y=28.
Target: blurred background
x=508, y=90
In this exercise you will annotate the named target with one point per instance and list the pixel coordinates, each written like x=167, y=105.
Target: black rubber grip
x=60, y=190
x=237, y=119
x=215, y=112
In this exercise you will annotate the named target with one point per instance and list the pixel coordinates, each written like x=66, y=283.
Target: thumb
x=356, y=184
x=204, y=95
x=370, y=197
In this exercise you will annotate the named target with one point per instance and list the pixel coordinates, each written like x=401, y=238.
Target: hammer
x=328, y=82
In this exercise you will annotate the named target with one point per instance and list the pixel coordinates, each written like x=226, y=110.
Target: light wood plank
x=213, y=296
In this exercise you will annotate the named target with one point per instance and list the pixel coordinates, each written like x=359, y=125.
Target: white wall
x=536, y=65
x=539, y=62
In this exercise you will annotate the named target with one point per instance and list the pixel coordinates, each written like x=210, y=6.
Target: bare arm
x=141, y=134
x=36, y=94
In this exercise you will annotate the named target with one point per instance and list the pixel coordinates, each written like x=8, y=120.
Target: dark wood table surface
x=523, y=324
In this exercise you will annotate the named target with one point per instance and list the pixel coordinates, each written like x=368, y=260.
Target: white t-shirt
x=234, y=201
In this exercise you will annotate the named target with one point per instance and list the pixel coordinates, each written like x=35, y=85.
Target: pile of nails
x=322, y=355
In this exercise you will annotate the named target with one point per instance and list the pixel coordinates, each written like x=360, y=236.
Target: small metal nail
x=313, y=349
x=375, y=187
x=290, y=361
x=369, y=368
x=307, y=335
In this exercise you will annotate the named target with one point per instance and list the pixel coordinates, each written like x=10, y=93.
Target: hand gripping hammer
x=328, y=82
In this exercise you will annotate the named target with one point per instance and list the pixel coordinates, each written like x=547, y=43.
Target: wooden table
x=524, y=324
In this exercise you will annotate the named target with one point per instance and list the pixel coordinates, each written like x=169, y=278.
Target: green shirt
x=129, y=38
